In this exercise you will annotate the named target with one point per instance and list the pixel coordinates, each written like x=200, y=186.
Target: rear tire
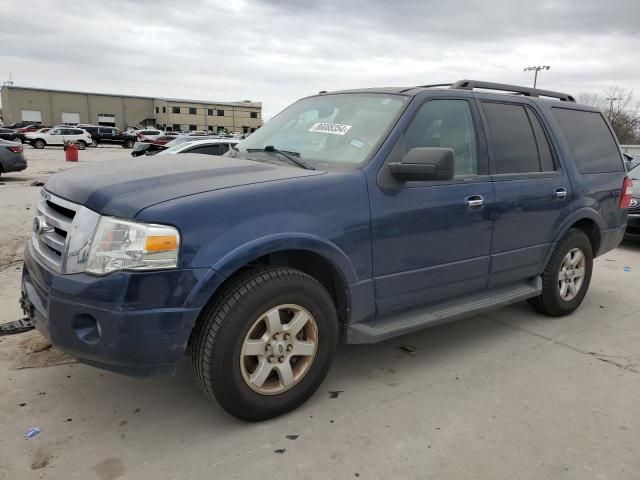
x=128, y=144
x=39, y=144
x=558, y=300
x=94, y=143
x=16, y=139
x=81, y=145
x=242, y=314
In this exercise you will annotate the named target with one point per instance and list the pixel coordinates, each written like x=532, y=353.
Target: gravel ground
x=510, y=394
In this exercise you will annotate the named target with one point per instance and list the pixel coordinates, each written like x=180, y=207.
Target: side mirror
x=424, y=164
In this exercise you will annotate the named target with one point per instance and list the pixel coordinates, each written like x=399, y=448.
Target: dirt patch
x=110, y=469
x=41, y=458
x=36, y=351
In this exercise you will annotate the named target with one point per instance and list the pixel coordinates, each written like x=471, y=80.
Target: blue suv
x=352, y=216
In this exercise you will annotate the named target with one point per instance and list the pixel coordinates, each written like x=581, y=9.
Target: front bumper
x=131, y=323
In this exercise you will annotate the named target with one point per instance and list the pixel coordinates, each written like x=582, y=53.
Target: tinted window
x=220, y=113
x=446, y=124
x=175, y=109
x=254, y=114
x=544, y=149
x=590, y=140
x=192, y=111
x=193, y=127
x=513, y=145
x=210, y=111
x=207, y=149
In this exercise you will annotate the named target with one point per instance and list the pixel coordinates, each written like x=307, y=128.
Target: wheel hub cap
x=279, y=349
x=571, y=275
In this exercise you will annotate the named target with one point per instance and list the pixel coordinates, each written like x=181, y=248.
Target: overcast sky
x=276, y=51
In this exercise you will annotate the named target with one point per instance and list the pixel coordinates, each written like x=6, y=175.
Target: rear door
x=105, y=134
x=431, y=240
x=532, y=191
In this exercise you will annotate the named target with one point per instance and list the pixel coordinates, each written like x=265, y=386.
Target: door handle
x=560, y=193
x=474, y=201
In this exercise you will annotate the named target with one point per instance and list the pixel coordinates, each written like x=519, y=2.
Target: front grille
x=58, y=215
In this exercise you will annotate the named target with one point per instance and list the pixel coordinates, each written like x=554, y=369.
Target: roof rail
x=526, y=91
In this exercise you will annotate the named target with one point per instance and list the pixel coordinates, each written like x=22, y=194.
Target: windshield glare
x=340, y=129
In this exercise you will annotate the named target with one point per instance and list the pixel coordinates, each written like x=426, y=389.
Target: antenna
x=8, y=82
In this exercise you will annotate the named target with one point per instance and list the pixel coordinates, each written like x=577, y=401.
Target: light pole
x=611, y=100
x=536, y=69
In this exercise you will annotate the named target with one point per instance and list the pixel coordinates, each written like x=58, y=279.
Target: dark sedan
x=11, y=157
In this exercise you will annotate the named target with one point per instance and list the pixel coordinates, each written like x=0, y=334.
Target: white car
x=59, y=136
x=147, y=134
x=214, y=146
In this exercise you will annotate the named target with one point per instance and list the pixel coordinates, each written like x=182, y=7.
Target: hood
x=124, y=187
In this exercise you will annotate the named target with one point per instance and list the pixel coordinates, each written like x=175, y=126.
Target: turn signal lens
x=161, y=243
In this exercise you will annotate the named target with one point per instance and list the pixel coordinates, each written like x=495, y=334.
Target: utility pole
x=536, y=69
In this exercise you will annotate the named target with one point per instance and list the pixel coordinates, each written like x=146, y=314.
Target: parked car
x=11, y=157
x=11, y=135
x=354, y=216
x=58, y=137
x=633, y=222
x=152, y=148
x=17, y=125
x=30, y=128
x=109, y=136
x=148, y=135
x=213, y=146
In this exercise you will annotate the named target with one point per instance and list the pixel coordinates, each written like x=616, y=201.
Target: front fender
x=251, y=251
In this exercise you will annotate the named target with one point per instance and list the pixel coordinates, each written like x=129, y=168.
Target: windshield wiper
x=293, y=157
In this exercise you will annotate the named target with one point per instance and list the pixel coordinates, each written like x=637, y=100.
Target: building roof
x=245, y=103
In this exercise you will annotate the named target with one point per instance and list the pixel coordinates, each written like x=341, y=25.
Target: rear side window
x=517, y=139
x=590, y=140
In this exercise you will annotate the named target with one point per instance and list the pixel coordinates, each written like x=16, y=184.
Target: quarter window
x=590, y=140
x=446, y=124
x=514, y=147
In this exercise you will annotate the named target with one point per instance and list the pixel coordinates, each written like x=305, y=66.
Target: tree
x=620, y=107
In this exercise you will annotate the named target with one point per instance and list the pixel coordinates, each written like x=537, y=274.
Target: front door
x=532, y=191
x=431, y=240
x=55, y=137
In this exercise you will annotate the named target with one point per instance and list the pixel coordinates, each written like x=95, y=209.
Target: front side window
x=339, y=130
x=514, y=146
x=446, y=124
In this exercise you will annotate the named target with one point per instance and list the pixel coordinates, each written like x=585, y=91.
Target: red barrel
x=71, y=152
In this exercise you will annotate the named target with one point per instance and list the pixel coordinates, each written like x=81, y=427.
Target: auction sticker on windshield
x=332, y=128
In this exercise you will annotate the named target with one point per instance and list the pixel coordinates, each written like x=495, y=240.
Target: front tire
x=16, y=139
x=39, y=144
x=266, y=342
x=566, y=278
x=128, y=144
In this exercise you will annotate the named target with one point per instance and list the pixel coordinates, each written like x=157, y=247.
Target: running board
x=410, y=321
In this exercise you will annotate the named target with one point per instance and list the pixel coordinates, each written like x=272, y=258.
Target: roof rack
x=526, y=91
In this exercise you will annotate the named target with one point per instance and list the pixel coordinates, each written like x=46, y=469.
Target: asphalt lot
x=508, y=395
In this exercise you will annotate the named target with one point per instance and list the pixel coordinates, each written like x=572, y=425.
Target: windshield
x=635, y=172
x=340, y=129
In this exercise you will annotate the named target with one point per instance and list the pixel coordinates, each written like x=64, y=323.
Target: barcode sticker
x=332, y=128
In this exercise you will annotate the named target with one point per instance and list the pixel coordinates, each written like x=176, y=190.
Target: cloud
x=276, y=51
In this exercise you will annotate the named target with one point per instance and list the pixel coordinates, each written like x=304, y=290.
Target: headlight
x=125, y=245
